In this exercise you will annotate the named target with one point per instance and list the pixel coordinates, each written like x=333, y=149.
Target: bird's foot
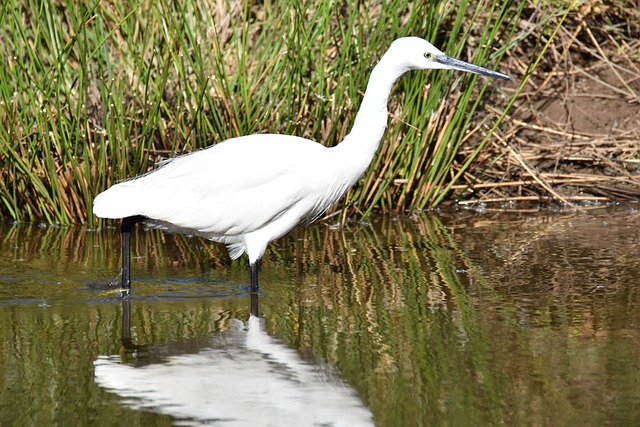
x=113, y=286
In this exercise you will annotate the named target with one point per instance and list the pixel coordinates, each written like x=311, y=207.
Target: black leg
x=254, y=277
x=254, y=289
x=141, y=351
x=126, y=323
x=125, y=232
x=254, y=304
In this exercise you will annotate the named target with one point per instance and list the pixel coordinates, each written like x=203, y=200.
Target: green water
x=457, y=318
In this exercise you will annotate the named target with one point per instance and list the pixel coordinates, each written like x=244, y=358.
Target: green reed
x=94, y=92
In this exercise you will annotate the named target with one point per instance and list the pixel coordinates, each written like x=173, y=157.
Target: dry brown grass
x=574, y=134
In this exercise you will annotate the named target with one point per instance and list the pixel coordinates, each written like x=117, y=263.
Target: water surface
x=456, y=318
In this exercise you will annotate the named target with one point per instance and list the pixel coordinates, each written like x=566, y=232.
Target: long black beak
x=456, y=64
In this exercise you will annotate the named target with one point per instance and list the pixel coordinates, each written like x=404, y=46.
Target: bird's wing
x=231, y=188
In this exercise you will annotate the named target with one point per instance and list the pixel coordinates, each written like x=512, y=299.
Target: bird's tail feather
x=236, y=250
x=118, y=202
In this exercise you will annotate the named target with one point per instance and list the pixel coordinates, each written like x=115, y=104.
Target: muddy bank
x=574, y=134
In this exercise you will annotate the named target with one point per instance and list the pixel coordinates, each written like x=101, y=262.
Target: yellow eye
x=428, y=56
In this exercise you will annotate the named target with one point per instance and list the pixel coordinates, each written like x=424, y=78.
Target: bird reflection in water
x=239, y=377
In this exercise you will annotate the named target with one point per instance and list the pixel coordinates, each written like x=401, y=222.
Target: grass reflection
x=398, y=322
x=440, y=324
x=456, y=319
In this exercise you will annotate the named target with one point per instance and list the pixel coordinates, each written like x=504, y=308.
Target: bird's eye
x=428, y=56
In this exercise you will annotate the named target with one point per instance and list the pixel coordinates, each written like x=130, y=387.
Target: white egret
x=247, y=191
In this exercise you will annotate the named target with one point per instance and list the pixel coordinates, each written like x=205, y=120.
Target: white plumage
x=244, y=203
x=247, y=191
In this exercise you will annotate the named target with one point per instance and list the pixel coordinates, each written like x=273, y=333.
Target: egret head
x=419, y=54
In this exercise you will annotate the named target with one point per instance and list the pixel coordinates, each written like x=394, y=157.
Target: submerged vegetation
x=98, y=91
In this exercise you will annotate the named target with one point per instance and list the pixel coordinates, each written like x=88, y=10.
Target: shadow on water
x=459, y=318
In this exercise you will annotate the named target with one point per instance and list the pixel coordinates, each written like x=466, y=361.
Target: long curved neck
x=371, y=120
